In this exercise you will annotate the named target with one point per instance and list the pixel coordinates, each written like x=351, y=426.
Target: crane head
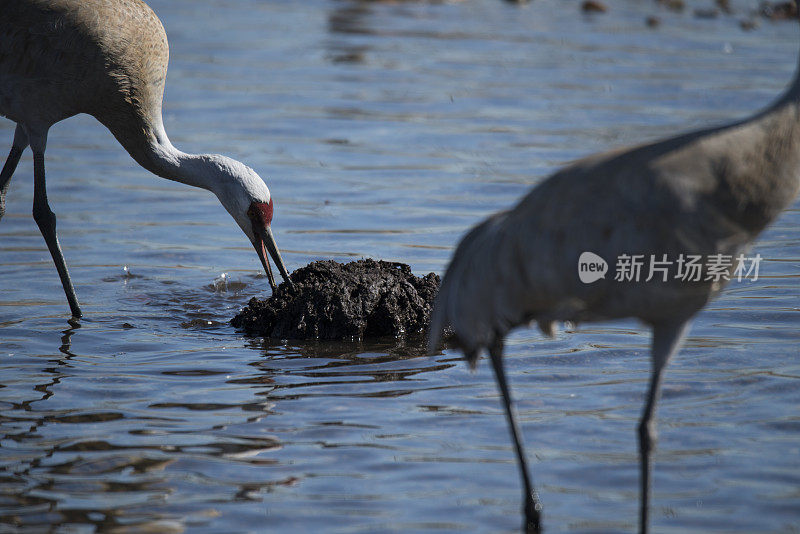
x=260, y=215
x=247, y=198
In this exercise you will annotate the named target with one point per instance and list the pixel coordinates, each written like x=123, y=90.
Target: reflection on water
x=348, y=19
x=384, y=130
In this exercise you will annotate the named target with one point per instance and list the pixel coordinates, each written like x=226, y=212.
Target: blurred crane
x=703, y=194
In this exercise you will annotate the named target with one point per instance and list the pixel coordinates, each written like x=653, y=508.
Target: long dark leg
x=46, y=220
x=667, y=340
x=19, y=144
x=533, y=508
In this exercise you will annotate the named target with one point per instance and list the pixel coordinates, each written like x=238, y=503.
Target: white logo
x=591, y=267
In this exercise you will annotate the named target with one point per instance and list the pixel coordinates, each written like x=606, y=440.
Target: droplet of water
x=221, y=282
x=126, y=273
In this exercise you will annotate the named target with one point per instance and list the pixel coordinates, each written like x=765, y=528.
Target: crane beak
x=266, y=242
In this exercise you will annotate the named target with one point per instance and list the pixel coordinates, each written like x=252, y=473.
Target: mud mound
x=332, y=300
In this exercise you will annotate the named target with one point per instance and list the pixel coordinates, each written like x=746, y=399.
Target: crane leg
x=533, y=507
x=19, y=144
x=667, y=339
x=46, y=220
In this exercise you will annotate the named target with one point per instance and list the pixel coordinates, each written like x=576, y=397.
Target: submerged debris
x=673, y=5
x=332, y=300
x=781, y=10
x=593, y=6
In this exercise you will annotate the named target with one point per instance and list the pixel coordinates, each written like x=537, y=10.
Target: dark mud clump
x=332, y=300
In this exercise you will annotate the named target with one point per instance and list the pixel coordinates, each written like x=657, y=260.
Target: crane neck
x=792, y=94
x=785, y=109
x=154, y=151
x=173, y=164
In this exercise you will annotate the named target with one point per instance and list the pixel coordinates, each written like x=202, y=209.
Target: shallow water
x=384, y=130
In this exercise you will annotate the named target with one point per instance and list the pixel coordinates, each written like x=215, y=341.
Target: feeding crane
x=108, y=58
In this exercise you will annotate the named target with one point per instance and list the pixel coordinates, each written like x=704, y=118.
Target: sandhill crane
x=108, y=58
x=705, y=194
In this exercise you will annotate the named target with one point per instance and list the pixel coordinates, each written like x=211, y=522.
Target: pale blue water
x=384, y=131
